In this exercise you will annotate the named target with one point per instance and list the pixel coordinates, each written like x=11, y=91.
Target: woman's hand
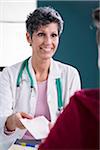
x=14, y=122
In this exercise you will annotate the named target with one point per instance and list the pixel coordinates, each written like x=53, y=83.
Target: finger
x=50, y=126
x=25, y=115
x=20, y=125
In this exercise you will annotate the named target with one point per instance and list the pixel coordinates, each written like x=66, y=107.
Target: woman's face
x=45, y=41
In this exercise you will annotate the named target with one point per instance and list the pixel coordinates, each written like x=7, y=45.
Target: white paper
x=38, y=126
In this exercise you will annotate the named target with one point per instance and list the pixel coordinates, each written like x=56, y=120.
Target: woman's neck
x=41, y=69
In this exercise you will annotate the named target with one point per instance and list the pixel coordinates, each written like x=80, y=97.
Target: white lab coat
x=17, y=99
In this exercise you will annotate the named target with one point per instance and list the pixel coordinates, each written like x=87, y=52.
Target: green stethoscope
x=58, y=83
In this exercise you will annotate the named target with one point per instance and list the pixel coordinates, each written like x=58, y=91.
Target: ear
x=28, y=37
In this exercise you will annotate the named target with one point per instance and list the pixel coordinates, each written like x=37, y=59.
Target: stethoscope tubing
x=58, y=83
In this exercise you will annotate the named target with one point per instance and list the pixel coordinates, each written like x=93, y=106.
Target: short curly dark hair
x=41, y=17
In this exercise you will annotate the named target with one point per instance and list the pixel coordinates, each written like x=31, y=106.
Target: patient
x=78, y=126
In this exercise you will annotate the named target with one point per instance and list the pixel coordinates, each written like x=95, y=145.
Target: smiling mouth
x=46, y=50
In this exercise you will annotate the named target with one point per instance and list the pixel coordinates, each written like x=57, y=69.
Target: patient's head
x=96, y=20
x=96, y=17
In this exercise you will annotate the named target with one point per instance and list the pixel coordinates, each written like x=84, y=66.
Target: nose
x=48, y=40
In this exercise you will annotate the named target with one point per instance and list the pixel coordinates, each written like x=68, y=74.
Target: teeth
x=46, y=49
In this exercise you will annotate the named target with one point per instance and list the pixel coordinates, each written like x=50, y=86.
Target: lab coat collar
x=32, y=71
x=54, y=70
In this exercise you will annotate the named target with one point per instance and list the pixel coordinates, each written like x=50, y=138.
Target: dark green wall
x=78, y=42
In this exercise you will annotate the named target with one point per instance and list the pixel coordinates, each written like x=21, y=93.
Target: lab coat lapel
x=52, y=91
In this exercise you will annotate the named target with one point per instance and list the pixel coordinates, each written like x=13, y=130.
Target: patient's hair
x=96, y=20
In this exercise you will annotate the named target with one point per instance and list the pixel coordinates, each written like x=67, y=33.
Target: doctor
x=38, y=85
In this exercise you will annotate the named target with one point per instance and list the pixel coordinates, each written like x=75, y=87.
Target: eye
x=40, y=34
x=54, y=35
